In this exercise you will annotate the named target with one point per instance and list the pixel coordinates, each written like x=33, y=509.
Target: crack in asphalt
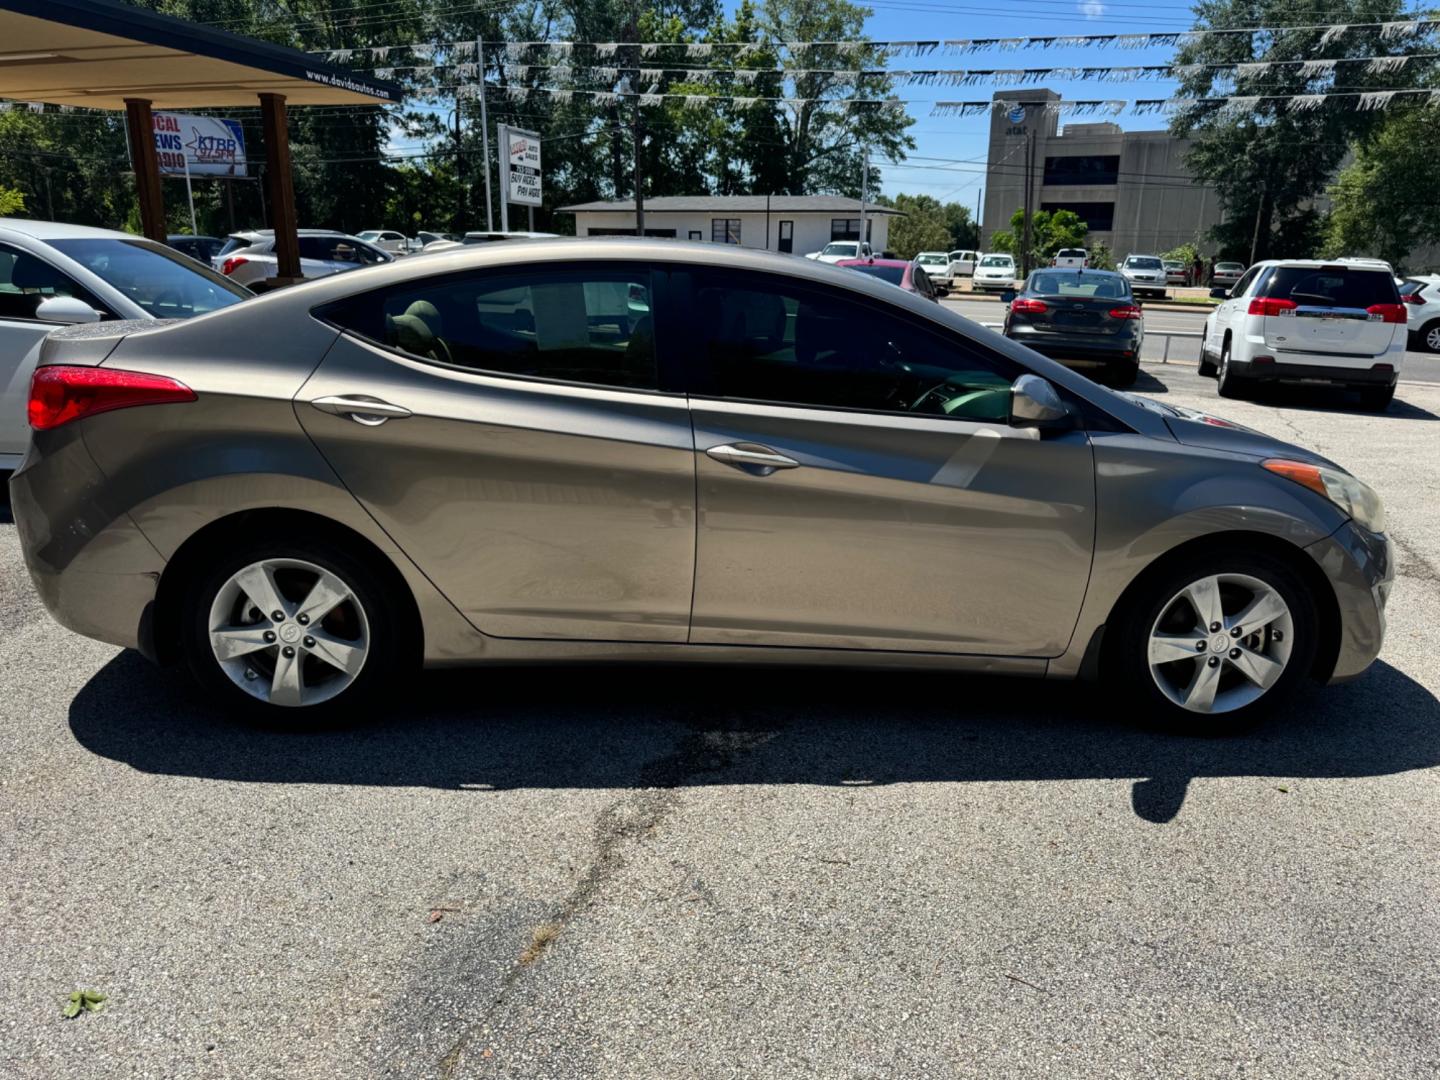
x=627, y=820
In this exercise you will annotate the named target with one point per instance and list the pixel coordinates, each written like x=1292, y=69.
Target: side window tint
x=768, y=339
x=591, y=326
x=27, y=281
x=1245, y=281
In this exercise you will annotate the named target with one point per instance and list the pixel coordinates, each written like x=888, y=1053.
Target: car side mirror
x=1219, y=294
x=1006, y=295
x=1034, y=403
x=66, y=310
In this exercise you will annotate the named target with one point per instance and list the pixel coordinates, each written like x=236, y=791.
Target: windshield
x=370, y=235
x=1232, y=267
x=1143, y=262
x=893, y=274
x=840, y=249
x=1331, y=286
x=1104, y=286
x=163, y=283
x=932, y=260
x=997, y=260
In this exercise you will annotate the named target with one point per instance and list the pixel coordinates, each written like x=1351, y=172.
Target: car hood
x=1194, y=428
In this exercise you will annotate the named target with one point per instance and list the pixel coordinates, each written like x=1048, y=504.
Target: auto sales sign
x=520, y=167
x=212, y=147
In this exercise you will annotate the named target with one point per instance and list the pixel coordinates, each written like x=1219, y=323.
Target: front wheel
x=1211, y=647
x=1430, y=336
x=294, y=634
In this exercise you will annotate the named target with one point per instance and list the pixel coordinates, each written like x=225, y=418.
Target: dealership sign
x=520, y=166
x=198, y=145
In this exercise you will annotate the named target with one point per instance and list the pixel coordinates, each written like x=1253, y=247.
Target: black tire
x=1376, y=398
x=391, y=650
x=1126, y=654
x=1429, y=336
x=1122, y=373
x=1226, y=384
x=1205, y=369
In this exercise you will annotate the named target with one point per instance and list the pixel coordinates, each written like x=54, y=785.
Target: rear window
x=893, y=274
x=1103, y=286
x=932, y=260
x=234, y=243
x=1330, y=286
x=1071, y=253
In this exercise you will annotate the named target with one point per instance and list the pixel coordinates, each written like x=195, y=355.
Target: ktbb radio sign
x=210, y=146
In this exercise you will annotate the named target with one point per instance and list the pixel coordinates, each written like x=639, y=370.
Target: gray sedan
x=643, y=451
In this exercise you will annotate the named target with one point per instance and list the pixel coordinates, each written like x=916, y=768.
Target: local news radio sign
x=521, y=166
x=211, y=146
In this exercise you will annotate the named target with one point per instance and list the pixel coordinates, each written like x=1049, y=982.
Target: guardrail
x=1166, y=334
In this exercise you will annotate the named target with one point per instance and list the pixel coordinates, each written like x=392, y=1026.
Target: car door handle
x=752, y=458
x=367, y=411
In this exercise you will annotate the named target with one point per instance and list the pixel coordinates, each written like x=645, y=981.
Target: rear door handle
x=753, y=458
x=368, y=411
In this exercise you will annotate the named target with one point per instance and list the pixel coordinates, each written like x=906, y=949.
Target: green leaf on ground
x=89, y=1000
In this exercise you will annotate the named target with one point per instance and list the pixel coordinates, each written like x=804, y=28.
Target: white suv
x=1306, y=321
x=1422, y=302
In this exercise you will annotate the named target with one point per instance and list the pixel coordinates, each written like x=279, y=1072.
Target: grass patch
x=540, y=940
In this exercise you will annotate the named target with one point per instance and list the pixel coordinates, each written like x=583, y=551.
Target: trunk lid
x=89, y=344
x=1342, y=311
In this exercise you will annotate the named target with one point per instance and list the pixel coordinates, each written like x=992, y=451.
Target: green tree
x=1101, y=257
x=1386, y=202
x=964, y=232
x=1268, y=161
x=1049, y=232
x=923, y=228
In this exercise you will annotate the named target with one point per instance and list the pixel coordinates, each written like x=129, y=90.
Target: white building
x=794, y=223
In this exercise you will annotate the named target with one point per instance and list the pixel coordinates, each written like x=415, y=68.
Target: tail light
x=1268, y=306
x=1413, y=298
x=229, y=266
x=61, y=394
x=1390, y=313
x=1026, y=306
x=1129, y=311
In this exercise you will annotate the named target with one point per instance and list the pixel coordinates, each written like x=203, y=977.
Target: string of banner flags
x=1308, y=69
x=1396, y=30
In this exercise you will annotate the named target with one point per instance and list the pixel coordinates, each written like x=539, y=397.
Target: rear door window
x=1331, y=286
x=591, y=326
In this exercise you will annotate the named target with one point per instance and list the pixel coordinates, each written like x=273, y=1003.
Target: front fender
x=1153, y=496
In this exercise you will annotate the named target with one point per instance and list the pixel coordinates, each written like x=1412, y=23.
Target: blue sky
x=955, y=139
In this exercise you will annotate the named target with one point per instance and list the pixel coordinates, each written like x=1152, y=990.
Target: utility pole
x=864, y=189
x=979, y=194
x=1259, y=212
x=1025, y=208
x=459, y=168
x=484, y=135
x=639, y=175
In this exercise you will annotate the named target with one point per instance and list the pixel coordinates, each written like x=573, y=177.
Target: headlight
x=1356, y=499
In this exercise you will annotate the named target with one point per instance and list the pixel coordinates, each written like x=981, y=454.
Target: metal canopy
x=95, y=54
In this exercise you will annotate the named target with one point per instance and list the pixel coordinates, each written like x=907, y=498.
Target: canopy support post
x=140, y=126
x=281, y=189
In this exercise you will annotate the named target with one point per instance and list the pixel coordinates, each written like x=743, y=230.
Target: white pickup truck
x=1071, y=259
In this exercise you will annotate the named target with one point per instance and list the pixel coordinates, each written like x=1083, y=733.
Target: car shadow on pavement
x=1327, y=399
x=7, y=516
x=642, y=727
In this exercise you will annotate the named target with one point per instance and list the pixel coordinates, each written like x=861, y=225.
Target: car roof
x=59, y=230
x=1370, y=265
x=1089, y=272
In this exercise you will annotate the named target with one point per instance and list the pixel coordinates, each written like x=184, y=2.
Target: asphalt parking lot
x=680, y=873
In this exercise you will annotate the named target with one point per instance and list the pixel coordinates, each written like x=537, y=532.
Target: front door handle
x=752, y=458
x=371, y=412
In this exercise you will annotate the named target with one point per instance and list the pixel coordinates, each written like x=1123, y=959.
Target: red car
x=897, y=272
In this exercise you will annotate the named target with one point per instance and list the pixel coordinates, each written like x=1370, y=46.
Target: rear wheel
x=294, y=634
x=1430, y=336
x=1210, y=648
x=1226, y=383
x=1122, y=373
x=1376, y=398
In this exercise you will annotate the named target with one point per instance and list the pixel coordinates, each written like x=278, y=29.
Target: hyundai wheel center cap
x=289, y=633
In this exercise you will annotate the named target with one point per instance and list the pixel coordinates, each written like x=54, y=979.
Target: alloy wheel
x=1432, y=338
x=289, y=632
x=1220, y=643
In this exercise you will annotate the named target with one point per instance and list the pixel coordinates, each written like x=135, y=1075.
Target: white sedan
x=53, y=275
x=839, y=250
x=995, y=271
